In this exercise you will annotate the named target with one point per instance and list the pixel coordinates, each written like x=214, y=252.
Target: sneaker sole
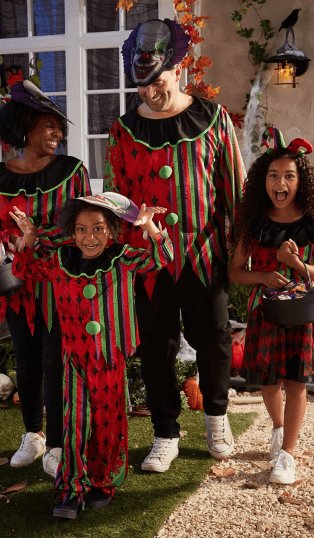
x=64, y=513
x=50, y=473
x=277, y=480
x=16, y=465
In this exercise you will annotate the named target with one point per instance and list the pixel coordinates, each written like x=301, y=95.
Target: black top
x=272, y=234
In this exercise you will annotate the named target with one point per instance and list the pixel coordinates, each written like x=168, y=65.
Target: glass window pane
x=140, y=12
x=48, y=17
x=52, y=71
x=13, y=18
x=96, y=163
x=15, y=67
x=102, y=16
x=102, y=110
x=103, y=69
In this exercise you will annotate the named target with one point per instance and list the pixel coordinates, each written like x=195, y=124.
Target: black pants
x=39, y=373
x=207, y=330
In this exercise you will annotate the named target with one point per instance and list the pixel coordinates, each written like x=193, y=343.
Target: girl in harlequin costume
x=276, y=228
x=93, y=287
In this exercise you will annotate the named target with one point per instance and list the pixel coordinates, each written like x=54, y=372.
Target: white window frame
x=75, y=42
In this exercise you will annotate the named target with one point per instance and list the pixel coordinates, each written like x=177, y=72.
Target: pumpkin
x=237, y=354
x=192, y=391
x=16, y=399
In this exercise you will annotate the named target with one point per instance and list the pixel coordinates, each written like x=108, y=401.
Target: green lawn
x=140, y=506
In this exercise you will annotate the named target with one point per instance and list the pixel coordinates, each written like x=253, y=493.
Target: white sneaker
x=276, y=442
x=32, y=447
x=163, y=452
x=219, y=436
x=284, y=469
x=51, y=461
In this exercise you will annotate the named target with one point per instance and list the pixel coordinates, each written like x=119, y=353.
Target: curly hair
x=74, y=207
x=256, y=204
x=17, y=119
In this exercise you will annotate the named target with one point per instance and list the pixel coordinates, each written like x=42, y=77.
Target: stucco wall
x=290, y=109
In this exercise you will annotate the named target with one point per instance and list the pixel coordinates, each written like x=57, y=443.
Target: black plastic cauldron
x=8, y=282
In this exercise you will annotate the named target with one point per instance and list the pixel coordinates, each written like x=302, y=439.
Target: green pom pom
x=89, y=291
x=92, y=327
x=172, y=218
x=165, y=172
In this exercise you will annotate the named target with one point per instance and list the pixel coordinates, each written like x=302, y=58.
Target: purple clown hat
x=120, y=205
x=28, y=94
x=153, y=47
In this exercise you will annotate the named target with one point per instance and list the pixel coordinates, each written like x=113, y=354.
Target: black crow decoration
x=290, y=20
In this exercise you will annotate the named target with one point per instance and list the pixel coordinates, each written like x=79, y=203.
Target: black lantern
x=291, y=62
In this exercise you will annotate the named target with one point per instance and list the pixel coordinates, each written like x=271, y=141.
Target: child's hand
x=23, y=222
x=146, y=214
x=287, y=251
x=273, y=279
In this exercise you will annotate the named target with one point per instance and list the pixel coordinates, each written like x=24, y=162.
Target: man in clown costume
x=180, y=152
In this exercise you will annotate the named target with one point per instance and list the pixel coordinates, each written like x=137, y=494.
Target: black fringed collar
x=187, y=125
x=61, y=169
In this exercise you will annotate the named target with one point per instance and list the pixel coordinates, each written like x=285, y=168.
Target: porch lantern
x=291, y=62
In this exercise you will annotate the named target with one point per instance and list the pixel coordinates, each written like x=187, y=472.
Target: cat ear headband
x=299, y=146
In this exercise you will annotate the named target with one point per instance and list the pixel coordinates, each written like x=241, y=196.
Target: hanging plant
x=257, y=46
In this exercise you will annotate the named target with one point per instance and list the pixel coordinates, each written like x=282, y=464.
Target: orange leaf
x=287, y=498
x=187, y=61
x=4, y=461
x=203, y=61
x=222, y=472
x=181, y=6
x=16, y=487
x=186, y=18
x=124, y=4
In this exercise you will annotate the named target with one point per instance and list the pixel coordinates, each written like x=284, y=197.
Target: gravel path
x=245, y=504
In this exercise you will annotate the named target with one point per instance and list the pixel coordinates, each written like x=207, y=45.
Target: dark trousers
x=207, y=330
x=39, y=373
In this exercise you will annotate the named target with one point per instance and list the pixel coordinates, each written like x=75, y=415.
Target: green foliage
x=136, y=386
x=238, y=301
x=258, y=45
x=7, y=358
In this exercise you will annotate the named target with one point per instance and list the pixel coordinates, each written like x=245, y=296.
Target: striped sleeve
x=231, y=168
x=157, y=256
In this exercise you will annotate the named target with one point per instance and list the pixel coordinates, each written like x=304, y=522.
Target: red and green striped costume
x=190, y=164
x=95, y=300
x=40, y=195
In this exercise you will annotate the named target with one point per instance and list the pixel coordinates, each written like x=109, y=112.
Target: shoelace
x=53, y=457
x=160, y=448
x=283, y=462
x=218, y=431
x=25, y=444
